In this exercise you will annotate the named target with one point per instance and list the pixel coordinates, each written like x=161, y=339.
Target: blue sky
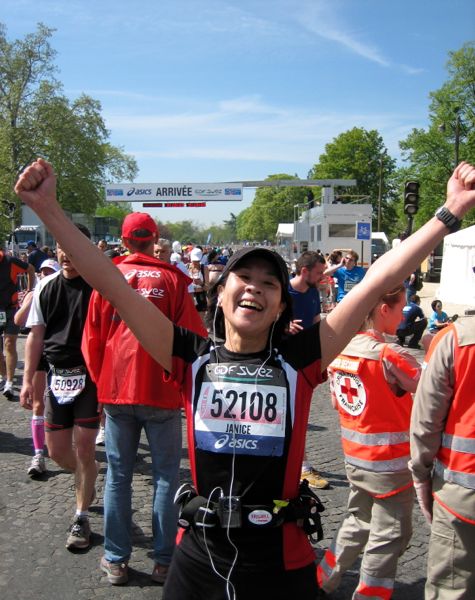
x=216, y=90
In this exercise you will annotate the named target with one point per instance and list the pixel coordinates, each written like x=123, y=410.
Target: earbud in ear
x=219, y=301
x=277, y=317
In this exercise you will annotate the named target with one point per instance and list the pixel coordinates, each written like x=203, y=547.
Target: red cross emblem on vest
x=350, y=392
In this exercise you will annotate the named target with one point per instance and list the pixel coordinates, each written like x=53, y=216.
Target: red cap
x=136, y=221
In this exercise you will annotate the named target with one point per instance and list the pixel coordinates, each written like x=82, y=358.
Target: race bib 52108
x=242, y=412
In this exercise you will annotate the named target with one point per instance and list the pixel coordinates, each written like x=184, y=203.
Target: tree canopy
x=271, y=206
x=360, y=154
x=431, y=153
x=37, y=119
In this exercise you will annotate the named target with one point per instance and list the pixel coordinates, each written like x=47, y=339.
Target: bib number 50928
x=66, y=387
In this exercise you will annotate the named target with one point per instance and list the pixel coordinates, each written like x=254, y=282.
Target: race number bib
x=349, y=285
x=67, y=384
x=242, y=409
x=3, y=318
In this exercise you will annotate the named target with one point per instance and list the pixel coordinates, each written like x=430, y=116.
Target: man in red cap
x=130, y=386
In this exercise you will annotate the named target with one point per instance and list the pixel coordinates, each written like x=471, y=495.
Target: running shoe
x=8, y=390
x=79, y=537
x=315, y=480
x=117, y=573
x=159, y=573
x=101, y=436
x=37, y=466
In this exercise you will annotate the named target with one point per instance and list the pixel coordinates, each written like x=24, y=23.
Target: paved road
x=35, y=515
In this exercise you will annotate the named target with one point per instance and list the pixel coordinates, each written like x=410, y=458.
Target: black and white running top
x=61, y=305
x=247, y=417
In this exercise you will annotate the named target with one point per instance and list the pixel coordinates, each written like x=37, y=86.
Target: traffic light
x=411, y=197
x=310, y=199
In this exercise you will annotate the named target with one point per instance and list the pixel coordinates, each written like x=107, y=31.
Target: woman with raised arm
x=247, y=400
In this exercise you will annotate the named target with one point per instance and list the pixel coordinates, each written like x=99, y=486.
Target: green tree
x=37, y=120
x=186, y=231
x=360, y=154
x=271, y=206
x=430, y=153
x=115, y=210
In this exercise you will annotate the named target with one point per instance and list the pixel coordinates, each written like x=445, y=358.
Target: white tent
x=457, y=280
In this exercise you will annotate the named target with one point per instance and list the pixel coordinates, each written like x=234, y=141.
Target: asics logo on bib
x=226, y=440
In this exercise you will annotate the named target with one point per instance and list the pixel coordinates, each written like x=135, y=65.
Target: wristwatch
x=448, y=219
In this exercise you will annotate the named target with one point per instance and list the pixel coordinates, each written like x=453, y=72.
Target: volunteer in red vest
x=443, y=460
x=371, y=385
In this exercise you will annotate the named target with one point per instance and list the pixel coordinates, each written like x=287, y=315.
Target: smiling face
x=251, y=301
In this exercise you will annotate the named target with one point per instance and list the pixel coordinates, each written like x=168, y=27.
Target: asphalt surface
x=35, y=516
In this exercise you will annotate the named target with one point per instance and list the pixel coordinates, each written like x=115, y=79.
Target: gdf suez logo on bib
x=349, y=392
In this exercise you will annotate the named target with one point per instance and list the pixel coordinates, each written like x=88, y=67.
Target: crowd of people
x=122, y=334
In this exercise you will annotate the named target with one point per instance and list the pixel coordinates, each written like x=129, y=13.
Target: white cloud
x=326, y=20
x=248, y=129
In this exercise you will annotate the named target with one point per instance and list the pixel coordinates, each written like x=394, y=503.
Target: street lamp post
x=457, y=128
x=380, y=190
x=457, y=135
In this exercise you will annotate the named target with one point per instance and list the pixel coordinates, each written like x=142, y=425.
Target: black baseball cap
x=280, y=268
x=271, y=256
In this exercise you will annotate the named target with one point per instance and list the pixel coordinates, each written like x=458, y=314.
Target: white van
x=379, y=244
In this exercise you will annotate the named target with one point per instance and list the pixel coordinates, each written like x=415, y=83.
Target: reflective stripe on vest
x=387, y=438
x=458, y=443
x=464, y=479
x=455, y=461
x=380, y=466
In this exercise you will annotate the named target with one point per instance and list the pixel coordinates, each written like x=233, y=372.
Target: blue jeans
x=123, y=425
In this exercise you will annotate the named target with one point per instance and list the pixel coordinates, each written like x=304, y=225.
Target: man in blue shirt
x=413, y=323
x=347, y=274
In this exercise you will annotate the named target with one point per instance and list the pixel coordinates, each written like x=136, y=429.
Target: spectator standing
x=347, y=274
x=56, y=319
x=10, y=269
x=371, y=384
x=303, y=289
x=163, y=250
x=413, y=323
x=413, y=284
x=102, y=245
x=35, y=403
x=196, y=273
x=213, y=269
x=36, y=257
x=442, y=460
